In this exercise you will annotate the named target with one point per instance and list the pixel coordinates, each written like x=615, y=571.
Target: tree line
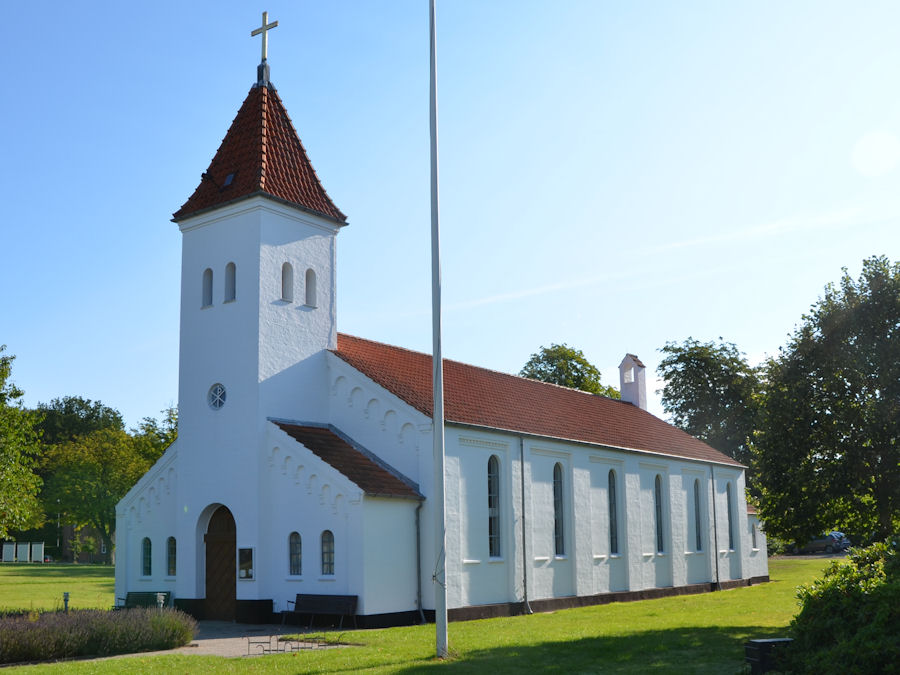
x=71, y=459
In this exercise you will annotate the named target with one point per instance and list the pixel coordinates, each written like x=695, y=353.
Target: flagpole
x=437, y=361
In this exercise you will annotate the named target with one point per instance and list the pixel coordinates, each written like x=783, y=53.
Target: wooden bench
x=329, y=605
x=143, y=599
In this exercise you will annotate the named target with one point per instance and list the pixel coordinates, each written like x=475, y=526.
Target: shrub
x=849, y=621
x=33, y=636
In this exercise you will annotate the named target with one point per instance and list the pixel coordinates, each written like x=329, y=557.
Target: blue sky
x=613, y=175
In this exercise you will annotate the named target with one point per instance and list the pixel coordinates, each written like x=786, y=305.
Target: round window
x=216, y=396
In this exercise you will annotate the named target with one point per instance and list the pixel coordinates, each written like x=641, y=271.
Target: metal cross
x=263, y=29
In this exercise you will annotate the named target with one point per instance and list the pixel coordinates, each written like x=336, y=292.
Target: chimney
x=631, y=381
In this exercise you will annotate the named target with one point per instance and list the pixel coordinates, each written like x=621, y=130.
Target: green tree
x=827, y=452
x=90, y=474
x=19, y=449
x=71, y=416
x=158, y=435
x=567, y=367
x=712, y=393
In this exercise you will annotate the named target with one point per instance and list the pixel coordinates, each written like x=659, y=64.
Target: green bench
x=143, y=599
x=328, y=605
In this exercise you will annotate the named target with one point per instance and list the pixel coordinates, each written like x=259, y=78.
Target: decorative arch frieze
x=355, y=399
x=389, y=422
x=340, y=383
x=286, y=465
x=273, y=455
x=372, y=408
x=325, y=495
x=338, y=504
x=312, y=483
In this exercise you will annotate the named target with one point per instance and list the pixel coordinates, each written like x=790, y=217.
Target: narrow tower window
x=287, y=282
x=295, y=554
x=730, y=507
x=559, y=543
x=698, y=544
x=170, y=556
x=146, y=557
x=327, y=553
x=658, y=510
x=613, y=515
x=310, y=288
x=207, y=287
x=230, y=285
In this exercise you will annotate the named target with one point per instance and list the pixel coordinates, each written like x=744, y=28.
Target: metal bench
x=144, y=599
x=329, y=605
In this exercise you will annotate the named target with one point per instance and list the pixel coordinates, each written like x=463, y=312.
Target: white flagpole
x=437, y=361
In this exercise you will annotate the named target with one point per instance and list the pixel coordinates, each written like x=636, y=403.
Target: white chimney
x=632, y=383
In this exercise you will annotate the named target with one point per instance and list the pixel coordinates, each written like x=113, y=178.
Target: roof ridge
x=487, y=370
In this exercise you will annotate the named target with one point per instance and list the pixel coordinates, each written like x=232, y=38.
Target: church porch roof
x=371, y=477
x=261, y=154
x=486, y=398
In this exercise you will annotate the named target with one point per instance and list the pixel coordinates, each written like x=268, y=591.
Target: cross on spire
x=266, y=26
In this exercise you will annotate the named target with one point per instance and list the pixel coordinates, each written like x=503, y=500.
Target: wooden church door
x=220, y=566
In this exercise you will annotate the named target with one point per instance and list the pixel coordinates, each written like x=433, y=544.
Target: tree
x=712, y=393
x=71, y=416
x=827, y=452
x=19, y=448
x=89, y=475
x=567, y=367
x=157, y=436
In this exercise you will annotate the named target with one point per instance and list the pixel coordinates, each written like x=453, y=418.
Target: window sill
x=327, y=578
x=615, y=556
x=600, y=557
x=496, y=560
x=205, y=306
x=541, y=558
x=228, y=302
x=560, y=557
x=294, y=578
x=467, y=561
x=308, y=306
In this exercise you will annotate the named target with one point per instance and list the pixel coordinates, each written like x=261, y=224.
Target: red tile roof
x=263, y=155
x=372, y=478
x=495, y=400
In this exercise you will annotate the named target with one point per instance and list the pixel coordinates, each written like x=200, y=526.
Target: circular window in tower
x=216, y=396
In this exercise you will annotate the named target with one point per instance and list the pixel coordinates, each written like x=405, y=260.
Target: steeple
x=261, y=154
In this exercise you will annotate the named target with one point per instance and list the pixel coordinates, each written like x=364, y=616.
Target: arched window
x=287, y=282
x=170, y=556
x=559, y=538
x=730, y=507
x=698, y=543
x=613, y=515
x=207, y=287
x=327, y=553
x=295, y=554
x=493, y=476
x=658, y=510
x=230, y=282
x=310, y=288
x=146, y=558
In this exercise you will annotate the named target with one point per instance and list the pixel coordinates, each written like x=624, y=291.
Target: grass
x=687, y=634
x=41, y=586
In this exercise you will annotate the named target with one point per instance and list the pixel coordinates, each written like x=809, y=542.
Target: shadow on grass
x=51, y=570
x=676, y=650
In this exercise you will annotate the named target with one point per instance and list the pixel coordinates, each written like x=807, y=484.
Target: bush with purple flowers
x=34, y=636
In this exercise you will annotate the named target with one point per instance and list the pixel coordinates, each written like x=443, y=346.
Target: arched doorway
x=220, y=566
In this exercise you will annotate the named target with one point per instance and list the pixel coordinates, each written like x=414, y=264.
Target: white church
x=303, y=463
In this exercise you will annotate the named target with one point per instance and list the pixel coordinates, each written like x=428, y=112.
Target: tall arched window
x=310, y=288
x=327, y=553
x=287, y=282
x=753, y=535
x=658, y=510
x=170, y=556
x=698, y=543
x=230, y=282
x=613, y=515
x=146, y=558
x=559, y=537
x=295, y=555
x=493, y=476
x=207, y=287
x=730, y=507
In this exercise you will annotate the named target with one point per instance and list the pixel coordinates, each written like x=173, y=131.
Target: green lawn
x=687, y=634
x=41, y=586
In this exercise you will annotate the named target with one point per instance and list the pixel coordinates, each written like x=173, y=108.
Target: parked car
x=827, y=543
x=842, y=539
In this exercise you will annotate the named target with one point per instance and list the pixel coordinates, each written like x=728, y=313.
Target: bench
x=143, y=599
x=329, y=605
x=762, y=655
